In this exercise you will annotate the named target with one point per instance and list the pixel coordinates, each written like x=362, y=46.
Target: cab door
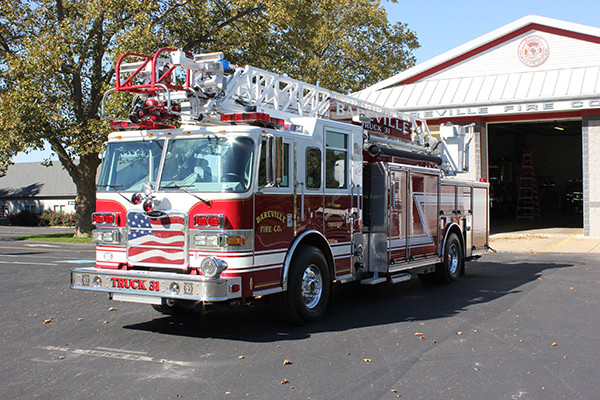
x=273, y=217
x=338, y=197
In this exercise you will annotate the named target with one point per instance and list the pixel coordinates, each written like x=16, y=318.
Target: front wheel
x=174, y=307
x=452, y=264
x=308, y=288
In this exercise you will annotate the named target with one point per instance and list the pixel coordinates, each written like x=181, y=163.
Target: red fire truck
x=227, y=184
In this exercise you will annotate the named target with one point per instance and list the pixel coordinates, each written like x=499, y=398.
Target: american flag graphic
x=156, y=240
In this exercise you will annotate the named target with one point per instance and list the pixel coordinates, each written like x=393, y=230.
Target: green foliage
x=54, y=218
x=24, y=218
x=57, y=60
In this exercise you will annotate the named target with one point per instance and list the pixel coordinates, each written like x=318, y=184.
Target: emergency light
x=258, y=118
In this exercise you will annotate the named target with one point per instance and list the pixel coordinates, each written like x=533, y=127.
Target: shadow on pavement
x=358, y=306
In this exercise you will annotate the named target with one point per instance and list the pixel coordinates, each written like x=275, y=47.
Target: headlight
x=112, y=236
x=212, y=267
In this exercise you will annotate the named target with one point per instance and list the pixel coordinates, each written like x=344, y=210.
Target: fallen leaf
x=418, y=334
x=394, y=391
x=554, y=343
x=241, y=357
x=47, y=321
x=367, y=360
x=459, y=333
x=287, y=362
x=79, y=319
x=283, y=382
x=106, y=322
x=476, y=369
x=434, y=341
x=61, y=357
x=112, y=309
x=228, y=393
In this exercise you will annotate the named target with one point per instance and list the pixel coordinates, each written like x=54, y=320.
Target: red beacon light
x=253, y=118
x=137, y=198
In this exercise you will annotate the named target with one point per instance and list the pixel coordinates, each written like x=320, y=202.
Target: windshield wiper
x=113, y=187
x=173, y=186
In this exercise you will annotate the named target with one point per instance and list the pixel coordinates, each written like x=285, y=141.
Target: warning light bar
x=144, y=124
x=257, y=118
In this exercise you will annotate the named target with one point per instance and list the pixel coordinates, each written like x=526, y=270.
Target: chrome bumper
x=151, y=287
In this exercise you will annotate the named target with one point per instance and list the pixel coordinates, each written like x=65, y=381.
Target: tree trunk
x=85, y=202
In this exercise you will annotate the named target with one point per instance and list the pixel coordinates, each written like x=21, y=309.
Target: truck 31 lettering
x=136, y=284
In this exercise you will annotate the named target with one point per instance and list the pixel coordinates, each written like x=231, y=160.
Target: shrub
x=24, y=218
x=57, y=218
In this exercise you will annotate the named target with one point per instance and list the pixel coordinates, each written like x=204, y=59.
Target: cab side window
x=262, y=167
x=313, y=168
x=336, y=160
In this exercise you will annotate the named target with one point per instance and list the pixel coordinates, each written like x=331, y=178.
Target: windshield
x=127, y=166
x=208, y=164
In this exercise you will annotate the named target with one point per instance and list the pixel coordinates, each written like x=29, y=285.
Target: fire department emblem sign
x=533, y=51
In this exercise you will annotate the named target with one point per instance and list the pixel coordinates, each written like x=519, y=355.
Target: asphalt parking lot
x=522, y=324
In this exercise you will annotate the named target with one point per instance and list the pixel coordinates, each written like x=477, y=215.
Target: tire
x=450, y=268
x=173, y=307
x=308, y=291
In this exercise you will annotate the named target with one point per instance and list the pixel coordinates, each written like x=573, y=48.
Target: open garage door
x=535, y=174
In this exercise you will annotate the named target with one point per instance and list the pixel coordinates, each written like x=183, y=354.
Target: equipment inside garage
x=535, y=172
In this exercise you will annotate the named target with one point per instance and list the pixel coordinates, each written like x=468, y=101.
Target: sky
x=442, y=25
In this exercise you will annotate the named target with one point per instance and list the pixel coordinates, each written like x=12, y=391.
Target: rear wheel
x=452, y=264
x=308, y=288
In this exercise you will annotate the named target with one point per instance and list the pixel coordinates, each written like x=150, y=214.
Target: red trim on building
x=514, y=117
x=496, y=42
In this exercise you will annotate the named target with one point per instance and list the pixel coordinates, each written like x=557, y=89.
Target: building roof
x=491, y=69
x=33, y=179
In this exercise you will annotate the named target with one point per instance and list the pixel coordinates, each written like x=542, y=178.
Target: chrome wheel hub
x=312, y=286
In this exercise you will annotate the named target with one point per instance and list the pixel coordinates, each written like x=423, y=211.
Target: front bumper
x=152, y=287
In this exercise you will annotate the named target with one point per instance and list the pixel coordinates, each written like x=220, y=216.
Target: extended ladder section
x=175, y=85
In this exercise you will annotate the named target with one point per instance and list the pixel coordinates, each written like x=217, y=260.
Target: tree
x=57, y=59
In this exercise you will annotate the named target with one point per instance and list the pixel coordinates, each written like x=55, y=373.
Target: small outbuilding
x=34, y=187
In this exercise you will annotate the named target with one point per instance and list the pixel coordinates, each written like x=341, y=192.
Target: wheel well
x=456, y=229
x=317, y=240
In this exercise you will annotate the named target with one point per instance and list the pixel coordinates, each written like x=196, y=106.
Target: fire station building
x=529, y=94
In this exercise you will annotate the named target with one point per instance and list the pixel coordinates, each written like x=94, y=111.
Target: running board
x=374, y=280
x=413, y=264
x=400, y=278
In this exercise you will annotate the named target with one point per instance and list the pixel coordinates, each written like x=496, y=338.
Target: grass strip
x=57, y=237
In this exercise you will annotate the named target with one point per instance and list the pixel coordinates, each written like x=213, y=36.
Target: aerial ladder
x=174, y=85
